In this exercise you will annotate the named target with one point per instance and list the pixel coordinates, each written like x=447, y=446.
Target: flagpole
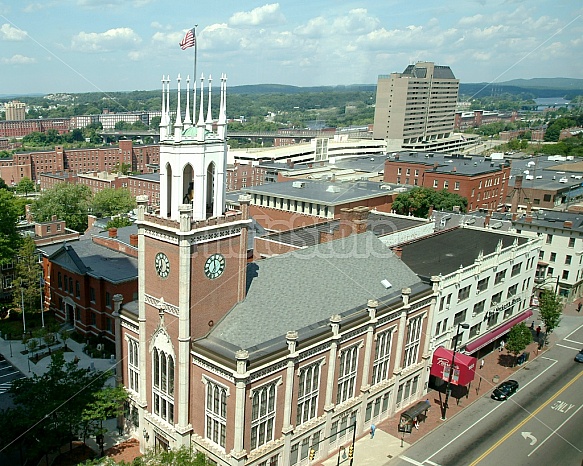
x=195, y=53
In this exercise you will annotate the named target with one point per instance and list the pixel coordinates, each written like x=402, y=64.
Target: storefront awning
x=496, y=333
x=464, y=366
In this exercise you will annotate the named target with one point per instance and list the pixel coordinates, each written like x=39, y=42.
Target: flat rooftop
x=446, y=251
x=467, y=165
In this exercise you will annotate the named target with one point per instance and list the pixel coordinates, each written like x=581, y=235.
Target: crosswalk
x=5, y=386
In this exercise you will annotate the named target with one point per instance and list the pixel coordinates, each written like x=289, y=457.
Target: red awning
x=494, y=334
x=464, y=366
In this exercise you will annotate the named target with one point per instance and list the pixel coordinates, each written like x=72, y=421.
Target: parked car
x=579, y=356
x=505, y=390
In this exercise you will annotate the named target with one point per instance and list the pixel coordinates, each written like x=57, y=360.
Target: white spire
x=209, y=115
x=187, y=121
x=168, y=122
x=194, y=101
x=163, y=127
x=200, y=123
x=222, y=123
x=178, y=122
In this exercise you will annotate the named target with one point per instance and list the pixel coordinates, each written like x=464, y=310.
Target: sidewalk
x=388, y=443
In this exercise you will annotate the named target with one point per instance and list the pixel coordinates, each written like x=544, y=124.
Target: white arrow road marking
x=528, y=435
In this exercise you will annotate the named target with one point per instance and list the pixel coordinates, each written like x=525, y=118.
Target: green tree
x=110, y=201
x=9, y=237
x=106, y=403
x=550, y=310
x=49, y=407
x=119, y=222
x=27, y=277
x=122, y=126
x=3, y=184
x=123, y=168
x=419, y=200
x=69, y=202
x=519, y=337
x=155, y=122
x=25, y=186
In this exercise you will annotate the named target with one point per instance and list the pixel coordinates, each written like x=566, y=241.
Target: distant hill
x=547, y=83
x=285, y=89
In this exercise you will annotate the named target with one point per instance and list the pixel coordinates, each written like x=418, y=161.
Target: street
x=540, y=424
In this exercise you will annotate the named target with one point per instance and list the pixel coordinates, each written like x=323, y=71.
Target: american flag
x=189, y=40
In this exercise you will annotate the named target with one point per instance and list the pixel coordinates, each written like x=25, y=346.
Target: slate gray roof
x=444, y=252
x=324, y=192
x=86, y=257
x=302, y=289
x=379, y=224
x=552, y=219
x=446, y=163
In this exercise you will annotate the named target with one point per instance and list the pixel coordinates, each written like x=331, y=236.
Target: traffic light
x=351, y=451
x=312, y=454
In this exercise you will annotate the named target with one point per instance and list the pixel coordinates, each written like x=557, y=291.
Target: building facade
x=15, y=110
x=202, y=373
x=416, y=106
x=482, y=182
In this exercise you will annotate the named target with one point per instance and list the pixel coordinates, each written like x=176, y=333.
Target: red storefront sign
x=464, y=366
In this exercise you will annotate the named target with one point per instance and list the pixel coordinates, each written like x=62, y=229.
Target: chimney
x=53, y=218
x=487, y=219
x=454, y=169
x=325, y=236
x=398, y=251
x=435, y=165
x=360, y=219
x=528, y=217
x=430, y=213
x=90, y=221
x=134, y=240
x=112, y=232
x=568, y=224
x=515, y=196
x=345, y=228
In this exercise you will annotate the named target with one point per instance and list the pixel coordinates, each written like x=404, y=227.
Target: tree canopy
x=27, y=277
x=9, y=237
x=69, y=202
x=518, y=338
x=25, y=186
x=419, y=200
x=110, y=201
x=49, y=408
x=550, y=309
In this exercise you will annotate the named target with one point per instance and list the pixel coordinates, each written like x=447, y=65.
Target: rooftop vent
x=387, y=284
x=299, y=184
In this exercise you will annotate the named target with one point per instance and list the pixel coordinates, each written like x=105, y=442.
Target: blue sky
x=108, y=45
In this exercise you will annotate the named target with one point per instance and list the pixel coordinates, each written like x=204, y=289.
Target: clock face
x=214, y=266
x=162, y=264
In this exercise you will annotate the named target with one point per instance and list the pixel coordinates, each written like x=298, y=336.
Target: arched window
x=216, y=412
x=163, y=386
x=168, y=190
x=210, y=189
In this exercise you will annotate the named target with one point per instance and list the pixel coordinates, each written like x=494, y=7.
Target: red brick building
x=83, y=276
x=142, y=159
x=241, y=176
x=484, y=183
x=20, y=128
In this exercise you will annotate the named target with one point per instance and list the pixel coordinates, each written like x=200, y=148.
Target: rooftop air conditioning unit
x=299, y=184
x=387, y=284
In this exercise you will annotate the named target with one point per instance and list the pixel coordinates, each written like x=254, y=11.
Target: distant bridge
x=116, y=135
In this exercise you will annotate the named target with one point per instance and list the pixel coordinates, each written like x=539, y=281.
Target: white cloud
x=471, y=20
x=266, y=14
x=8, y=32
x=105, y=41
x=357, y=21
x=18, y=60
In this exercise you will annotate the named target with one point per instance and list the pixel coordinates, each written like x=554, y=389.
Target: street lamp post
x=451, y=369
x=42, y=302
x=22, y=305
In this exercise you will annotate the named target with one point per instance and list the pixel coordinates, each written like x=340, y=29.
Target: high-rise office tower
x=416, y=107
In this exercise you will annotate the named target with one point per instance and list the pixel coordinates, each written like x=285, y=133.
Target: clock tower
x=191, y=261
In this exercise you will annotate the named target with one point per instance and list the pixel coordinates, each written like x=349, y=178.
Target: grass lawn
x=12, y=324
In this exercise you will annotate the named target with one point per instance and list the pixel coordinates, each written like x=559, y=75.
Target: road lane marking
x=568, y=347
x=410, y=460
x=555, y=431
x=432, y=463
x=574, y=331
x=554, y=361
x=529, y=417
x=9, y=374
x=528, y=435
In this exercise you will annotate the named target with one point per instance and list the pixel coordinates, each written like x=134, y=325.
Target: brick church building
x=259, y=363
